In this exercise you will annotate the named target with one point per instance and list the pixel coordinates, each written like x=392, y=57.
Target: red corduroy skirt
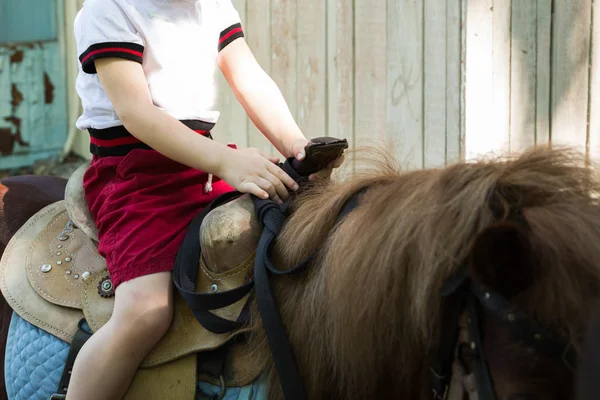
x=142, y=204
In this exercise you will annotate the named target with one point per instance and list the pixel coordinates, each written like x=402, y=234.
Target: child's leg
x=108, y=361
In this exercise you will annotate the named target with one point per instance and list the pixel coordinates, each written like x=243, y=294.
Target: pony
x=366, y=318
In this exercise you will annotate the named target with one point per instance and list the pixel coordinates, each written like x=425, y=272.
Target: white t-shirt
x=176, y=41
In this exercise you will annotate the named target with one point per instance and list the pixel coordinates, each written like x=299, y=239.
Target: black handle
x=319, y=153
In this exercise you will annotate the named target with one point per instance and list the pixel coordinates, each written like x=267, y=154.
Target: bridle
x=463, y=294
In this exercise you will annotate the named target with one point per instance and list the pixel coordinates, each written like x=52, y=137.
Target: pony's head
x=396, y=277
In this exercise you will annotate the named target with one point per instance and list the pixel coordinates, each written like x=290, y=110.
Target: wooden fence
x=443, y=80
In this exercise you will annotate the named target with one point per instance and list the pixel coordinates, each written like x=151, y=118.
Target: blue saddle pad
x=35, y=359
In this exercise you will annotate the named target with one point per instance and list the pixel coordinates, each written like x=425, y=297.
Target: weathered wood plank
x=543, y=78
x=258, y=35
x=570, y=60
x=340, y=70
x=523, y=75
x=480, y=136
x=453, y=80
x=463, y=80
x=312, y=67
x=284, y=50
x=501, y=45
x=594, y=104
x=405, y=80
x=434, y=89
x=370, y=69
x=233, y=122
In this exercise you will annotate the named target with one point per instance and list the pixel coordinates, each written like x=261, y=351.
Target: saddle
x=53, y=277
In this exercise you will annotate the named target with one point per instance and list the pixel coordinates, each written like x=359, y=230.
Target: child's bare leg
x=108, y=361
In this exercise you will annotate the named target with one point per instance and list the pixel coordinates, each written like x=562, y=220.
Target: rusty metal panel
x=33, y=111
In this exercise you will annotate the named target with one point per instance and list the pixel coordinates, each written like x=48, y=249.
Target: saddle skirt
x=52, y=276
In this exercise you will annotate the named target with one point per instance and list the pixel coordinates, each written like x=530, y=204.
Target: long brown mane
x=363, y=319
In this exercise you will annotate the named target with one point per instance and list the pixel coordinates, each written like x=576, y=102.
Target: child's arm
x=264, y=103
x=261, y=98
x=245, y=169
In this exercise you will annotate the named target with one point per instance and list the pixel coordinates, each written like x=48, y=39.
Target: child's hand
x=250, y=171
x=298, y=150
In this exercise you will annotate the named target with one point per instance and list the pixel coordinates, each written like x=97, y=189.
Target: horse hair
x=363, y=318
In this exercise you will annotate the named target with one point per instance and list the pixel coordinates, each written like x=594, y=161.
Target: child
x=147, y=88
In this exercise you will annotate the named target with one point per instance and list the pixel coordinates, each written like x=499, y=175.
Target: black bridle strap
x=442, y=360
x=523, y=328
x=485, y=386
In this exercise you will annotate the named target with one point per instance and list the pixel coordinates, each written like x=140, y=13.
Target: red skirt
x=142, y=204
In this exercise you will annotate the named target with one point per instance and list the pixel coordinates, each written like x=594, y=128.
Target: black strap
x=213, y=362
x=442, y=360
x=524, y=328
x=81, y=336
x=185, y=273
x=485, y=385
x=283, y=356
x=272, y=217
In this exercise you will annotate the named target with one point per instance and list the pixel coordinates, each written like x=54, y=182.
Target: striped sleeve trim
x=228, y=35
x=127, y=50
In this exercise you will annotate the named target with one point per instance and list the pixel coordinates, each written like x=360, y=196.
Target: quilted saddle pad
x=35, y=359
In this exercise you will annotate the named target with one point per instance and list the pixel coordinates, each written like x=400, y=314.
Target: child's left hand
x=298, y=151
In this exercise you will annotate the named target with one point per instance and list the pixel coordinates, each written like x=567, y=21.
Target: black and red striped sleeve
x=229, y=23
x=103, y=29
x=229, y=34
x=126, y=50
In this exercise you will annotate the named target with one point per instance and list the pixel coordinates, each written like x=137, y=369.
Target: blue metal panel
x=33, y=109
x=27, y=20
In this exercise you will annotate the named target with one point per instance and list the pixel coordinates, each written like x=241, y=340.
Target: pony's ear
x=501, y=259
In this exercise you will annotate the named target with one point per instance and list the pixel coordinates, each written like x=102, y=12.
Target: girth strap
x=81, y=336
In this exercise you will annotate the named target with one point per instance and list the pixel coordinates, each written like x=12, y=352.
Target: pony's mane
x=363, y=320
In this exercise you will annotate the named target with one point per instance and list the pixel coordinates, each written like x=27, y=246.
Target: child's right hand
x=250, y=171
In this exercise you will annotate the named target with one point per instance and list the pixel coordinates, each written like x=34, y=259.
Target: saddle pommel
x=229, y=235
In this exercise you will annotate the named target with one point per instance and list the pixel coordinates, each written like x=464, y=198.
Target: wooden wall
x=361, y=70
x=442, y=80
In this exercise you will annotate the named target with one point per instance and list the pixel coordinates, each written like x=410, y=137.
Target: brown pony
x=363, y=320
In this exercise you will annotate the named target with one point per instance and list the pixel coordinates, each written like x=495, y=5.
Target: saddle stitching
x=90, y=320
x=31, y=249
x=8, y=251
x=238, y=270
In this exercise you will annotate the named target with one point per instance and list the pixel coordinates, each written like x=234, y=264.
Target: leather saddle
x=53, y=277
